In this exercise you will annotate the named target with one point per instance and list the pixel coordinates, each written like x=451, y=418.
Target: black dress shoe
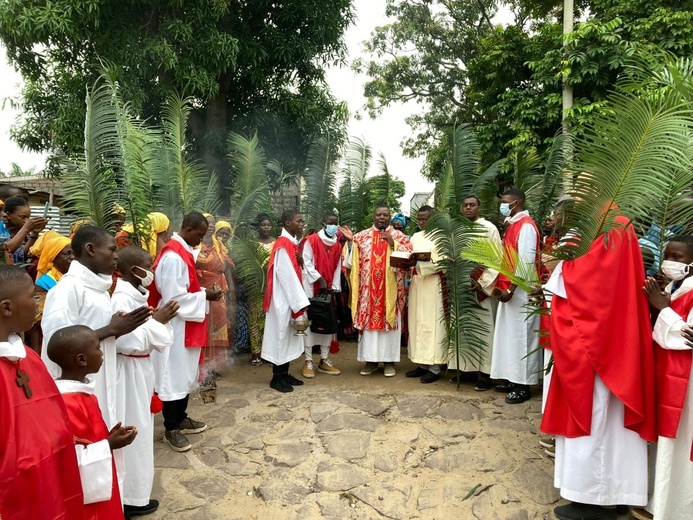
x=429, y=377
x=280, y=384
x=519, y=395
x=577, y=511
x=141, y=510
x=505, y=389
x=483, y=384
x=417, y=372
x=292, y=380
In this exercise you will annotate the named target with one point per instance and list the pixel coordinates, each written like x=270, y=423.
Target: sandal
x=256, y=361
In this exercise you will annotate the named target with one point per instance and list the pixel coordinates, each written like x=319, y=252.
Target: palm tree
x=320, y=180
x=354, y=203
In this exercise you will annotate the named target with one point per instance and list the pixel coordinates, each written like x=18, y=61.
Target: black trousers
x=278, y=370
x=175, y=413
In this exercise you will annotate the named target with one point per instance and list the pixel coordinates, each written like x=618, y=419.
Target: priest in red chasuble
x=377, y=292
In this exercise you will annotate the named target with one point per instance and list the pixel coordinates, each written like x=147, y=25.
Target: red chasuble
x=673, y=369
x=195, y=332
x=88, y=427
x=603, y=327
x=510, y=238
x=39, y=476
x=326, y=258
x=291, y=249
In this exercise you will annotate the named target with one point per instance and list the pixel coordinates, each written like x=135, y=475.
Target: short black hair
x=289, y=214
x=130, y=256
x=11, y=277
x=686, y=240
x=89, y=235
x=194, y=219
x=329, y=214
x=66, y=343
x=6, y=191
x=382, y=205
x=13, y=203
x=515, y=192
x=426, y=208
x=472, y=196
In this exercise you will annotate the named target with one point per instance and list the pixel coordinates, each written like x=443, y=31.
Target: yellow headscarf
x=218, y=244
x=158, y=223
x=47, y=247
x=78, y=224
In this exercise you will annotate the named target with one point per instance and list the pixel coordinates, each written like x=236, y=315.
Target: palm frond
x=465, y=331
x=547, y=187
x=251, y=189
x=90, y=182
x=356, y=208
x=211, y=201
x=250, y=258
x=489, y=253
x=320, y=181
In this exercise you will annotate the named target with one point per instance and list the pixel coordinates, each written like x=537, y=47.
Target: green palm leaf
x=251, y=189
x=250, y=258
x=356, y=209
x=320, y=180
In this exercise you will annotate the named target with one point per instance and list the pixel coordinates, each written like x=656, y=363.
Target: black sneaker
x=292, y=380
x=176, y=440
x=141, y=510
x=189, y=425
x=429, y=377
x=505, y=389
x=417, y=372
x=483, y=384
x=577, y=511
x=280, y=384
x=519, y=395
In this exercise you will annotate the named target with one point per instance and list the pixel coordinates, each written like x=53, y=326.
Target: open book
x=399, y=258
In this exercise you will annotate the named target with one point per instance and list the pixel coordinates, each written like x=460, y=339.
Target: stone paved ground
x=352, y=447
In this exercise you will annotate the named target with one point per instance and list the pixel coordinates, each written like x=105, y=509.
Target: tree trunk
x=213, y=142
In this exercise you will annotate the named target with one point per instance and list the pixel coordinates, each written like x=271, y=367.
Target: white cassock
x=279, y=344
x=427, y=344
x=516, y=330
x=489, y=306
x=134, y=390
x=95, y=460
x=311, y=275
x=81, y=298
x=175, y=368
x=673, y=488
x=609, y=466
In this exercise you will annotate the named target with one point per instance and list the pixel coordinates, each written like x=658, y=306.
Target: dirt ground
x=355, y=447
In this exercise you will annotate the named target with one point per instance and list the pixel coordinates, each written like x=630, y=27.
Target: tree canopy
x=249, y=66
x=506, y=81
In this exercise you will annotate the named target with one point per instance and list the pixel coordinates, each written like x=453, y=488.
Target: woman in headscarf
x=54, y=253
x=23, y=228
x=157, y=234
x=214, y=270
x=256, y=315
x=399, y=222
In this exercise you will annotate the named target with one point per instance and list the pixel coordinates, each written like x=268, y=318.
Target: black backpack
x=322, y=315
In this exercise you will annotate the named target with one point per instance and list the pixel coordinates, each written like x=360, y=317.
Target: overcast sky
x=383, y=134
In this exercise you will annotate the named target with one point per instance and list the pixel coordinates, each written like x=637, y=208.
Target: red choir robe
x=603, y=328
x=326, y=258
x=88, y=427
x=39, y=476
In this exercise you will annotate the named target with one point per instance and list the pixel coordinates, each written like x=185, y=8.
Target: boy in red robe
x=673, y=488
x=76, y=351
x=39, y=477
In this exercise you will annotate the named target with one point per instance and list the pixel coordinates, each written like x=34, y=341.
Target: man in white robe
x=377, y=293
x=81, y=298
x=285, y=300
x=322, y=271
x=516, y=356
x=485, y=283
x=135, y=375
x=427, y=346
x=176, y=368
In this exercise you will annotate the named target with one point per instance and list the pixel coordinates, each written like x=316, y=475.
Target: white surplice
x=608, y=466
x=134, y=390
x=95, y=460
x=427, y=345
x=81, y=298
x=311, y=275
x=279, y=343
x=673, y=488
x=516, y=330
x=175, y=368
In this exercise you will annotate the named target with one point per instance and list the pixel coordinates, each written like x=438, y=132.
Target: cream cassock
x=175, y=368
x=279, y=344
x=81, y=298
x=134, y=389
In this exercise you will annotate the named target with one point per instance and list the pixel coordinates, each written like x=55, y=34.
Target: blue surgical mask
x=330, y=230
x=505, y=209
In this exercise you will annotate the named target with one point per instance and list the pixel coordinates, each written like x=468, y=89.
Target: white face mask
x=148, y=277
x=505, y=208
x=675, y=270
